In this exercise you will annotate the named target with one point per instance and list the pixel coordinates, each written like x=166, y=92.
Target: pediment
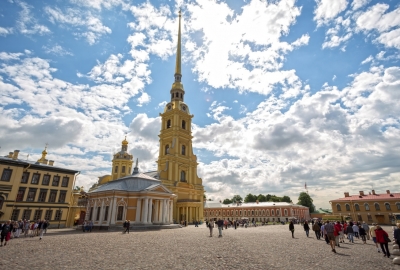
x=158, y=188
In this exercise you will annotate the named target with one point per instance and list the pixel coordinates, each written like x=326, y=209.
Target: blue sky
x=283, y=92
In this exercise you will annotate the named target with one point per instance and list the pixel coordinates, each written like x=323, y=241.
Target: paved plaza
x=264, y=247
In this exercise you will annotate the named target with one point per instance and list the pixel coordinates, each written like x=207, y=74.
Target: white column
x=101, y=212
x=145, y=210
x=113, y=211
x=109, y=214
x=167, y=212
x=138, y=208
x=94, y=210
x=171, y=210
x=187, y=215
x=150, y=211
x=156, y=214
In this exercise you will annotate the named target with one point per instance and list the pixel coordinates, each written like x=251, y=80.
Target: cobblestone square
x=263, y=247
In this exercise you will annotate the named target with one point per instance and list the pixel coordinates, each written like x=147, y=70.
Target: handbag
x=387, y=239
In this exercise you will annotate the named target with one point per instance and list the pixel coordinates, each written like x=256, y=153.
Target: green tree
x=305, y=200
x=227, y=201
x=250, y=198
x=268, y=198
x=286, y=199
x=237, y=199
x=261, y=198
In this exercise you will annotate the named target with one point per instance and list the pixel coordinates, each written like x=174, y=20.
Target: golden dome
x=125, y=142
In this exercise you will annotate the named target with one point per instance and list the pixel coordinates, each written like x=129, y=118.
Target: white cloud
x=5, y=31
x=327, y=10
x=57, y=50
x=367, y=60
x=27, y=24
x=94, y=28
x=99, y=4
x=356, y=4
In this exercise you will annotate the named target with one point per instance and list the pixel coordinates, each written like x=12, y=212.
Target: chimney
x=15, y=154
x=10, y=154
x=387, y=191
x=346, y=194
x=51, y=162
x=373, y=192
x=361, y=193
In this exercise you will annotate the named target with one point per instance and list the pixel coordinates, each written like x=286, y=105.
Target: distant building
x=372, y=207
x=260, y=211
x=35, y=190
x=320, y=213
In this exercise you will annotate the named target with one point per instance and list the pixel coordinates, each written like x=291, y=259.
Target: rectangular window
x=38, y=214
x=6, y=175
x=35, y=178
x=98, y=213
x=61, y=198
x=359, y=217
x=65, y=181
x=46, y=180
x=123, y=169
x=27, y=214
x=53, y=195
x=20, y=195
x=48, y=215
x=106, y=213
x=15, y=214
x=91, y=213
x=25, y=177
x=115, y=169
x=369, y=218
x=56, y=180
x=58, y=215
x=31, y=195
x=42, y=196
x=120, y=212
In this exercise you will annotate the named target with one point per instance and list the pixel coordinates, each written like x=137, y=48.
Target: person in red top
x=382, y=238
x=336, y=232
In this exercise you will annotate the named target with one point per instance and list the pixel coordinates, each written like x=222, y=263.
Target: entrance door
x=82, y=217
x=380, y=219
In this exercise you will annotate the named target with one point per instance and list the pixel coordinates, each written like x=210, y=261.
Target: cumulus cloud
x=327, y=10
x=57, y=50
x=27, y=23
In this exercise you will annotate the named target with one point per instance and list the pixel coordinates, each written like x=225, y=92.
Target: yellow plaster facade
x=35, y=190
x=177, y=165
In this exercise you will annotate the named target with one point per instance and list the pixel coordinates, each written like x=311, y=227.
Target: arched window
x=267, y=212
x=252, y=213
x=172, y=95
x=387, y=205
x=183, y=150
x=231, y=212
x=1, y=201
x=377, y=207
x=176, y=94
x=168, y=123
x=285, y=212
x=398, y=206
x=223, y=212
x=357, y=207
x=183, y=176
x=366, y=205
x=183, y=124
x=272, y=212
x=338, y=207
x=347, y=207
x=263, y=212
x=240, y=212
x=277, y=212
x=181, y=95
x=245, y=212
x=167, y=149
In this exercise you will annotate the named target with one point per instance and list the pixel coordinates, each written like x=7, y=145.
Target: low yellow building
x=371, y=207
x=35, y=190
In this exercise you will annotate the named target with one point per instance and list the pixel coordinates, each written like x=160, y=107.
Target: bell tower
x=177, y=165
x=122, y=162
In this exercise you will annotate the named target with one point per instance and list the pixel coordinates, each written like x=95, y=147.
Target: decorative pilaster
x=150, y=211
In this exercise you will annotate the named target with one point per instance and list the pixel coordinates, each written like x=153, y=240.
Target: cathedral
x=172, y=194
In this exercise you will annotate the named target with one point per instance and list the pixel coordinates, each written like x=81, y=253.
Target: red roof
x=371, y=197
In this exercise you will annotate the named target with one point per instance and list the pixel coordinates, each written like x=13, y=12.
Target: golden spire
x=44, y=153
x=125, y=142
x=177, y=92
x=178, y=49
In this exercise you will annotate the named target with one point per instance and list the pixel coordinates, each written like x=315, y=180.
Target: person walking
x=329, y=229
x=397, y=234
x=291, y=228
x=350, y=233
x=336, y=232
x=356, y=231
x=128, y=225
x=90, y=225
x=306, y=228
x=317, y=229
x=373, y=235
x=362, y=233
x=83, y=226
x=5, y=233
x=26, y=227
x=366, y=228
x=383, y=239
x=43, y=227
x=220, y=224
x=211, y=227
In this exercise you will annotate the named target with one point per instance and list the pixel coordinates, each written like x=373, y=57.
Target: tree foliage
x=237, y=199
x=227, y=201
x=305, y=200
x=250, y=198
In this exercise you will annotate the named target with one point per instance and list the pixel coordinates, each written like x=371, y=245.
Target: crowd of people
x=15, y=229
x=336, y=232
